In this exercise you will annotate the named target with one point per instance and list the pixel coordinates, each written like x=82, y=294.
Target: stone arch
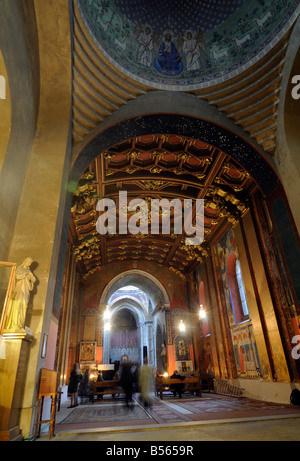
x=143, y=280
x=288, y=136
x=144, y=319
x=212, y=128
x=187, y=116
x=136, y=310
x=117, y=304
x=139, y=317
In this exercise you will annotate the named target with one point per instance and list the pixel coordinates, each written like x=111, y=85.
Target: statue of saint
x=164, y=357
x=23, y=284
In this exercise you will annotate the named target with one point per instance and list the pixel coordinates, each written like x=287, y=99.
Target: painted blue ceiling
x=211, y=39
x=176, y=14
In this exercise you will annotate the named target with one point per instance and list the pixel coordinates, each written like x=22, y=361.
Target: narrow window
x=237, y=292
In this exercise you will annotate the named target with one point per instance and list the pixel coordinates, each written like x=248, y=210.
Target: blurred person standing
x=126, y=382
x=145, y=382
x=75, y=377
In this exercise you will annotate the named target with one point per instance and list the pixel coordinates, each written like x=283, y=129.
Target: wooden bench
x=192, y=384
x=105, y=387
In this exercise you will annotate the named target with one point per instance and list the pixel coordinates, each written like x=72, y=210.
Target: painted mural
x=243, y=340
x=226, y=246
x=245, y=351
x=184, y=42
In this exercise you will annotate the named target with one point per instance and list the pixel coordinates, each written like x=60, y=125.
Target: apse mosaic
x=184, y=42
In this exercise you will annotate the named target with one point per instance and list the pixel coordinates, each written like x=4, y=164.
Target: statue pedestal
x=12, y=372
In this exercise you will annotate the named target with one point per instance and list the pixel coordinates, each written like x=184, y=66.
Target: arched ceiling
x=142, y=281
x=244, y=83
x=213, y=37
x=124, y=319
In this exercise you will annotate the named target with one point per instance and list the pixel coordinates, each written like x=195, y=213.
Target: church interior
x=174, y=102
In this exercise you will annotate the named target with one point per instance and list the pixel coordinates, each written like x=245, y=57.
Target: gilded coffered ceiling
x=157, y=166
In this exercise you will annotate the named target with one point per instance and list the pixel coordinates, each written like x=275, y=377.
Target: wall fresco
x=242, y=336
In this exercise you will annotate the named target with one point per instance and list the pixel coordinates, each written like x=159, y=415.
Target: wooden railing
x=224, y=388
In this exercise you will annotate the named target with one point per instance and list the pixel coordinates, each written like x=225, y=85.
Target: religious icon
x=168, y=61
x=87, y=351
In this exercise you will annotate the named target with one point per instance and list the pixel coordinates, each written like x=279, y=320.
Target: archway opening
x=125, y=338
x=132, y=301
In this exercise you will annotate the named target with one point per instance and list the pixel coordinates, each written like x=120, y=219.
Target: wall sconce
x=181, y=326
x=202, y=313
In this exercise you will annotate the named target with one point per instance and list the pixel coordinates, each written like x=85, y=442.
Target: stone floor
x=273, y=424
x=277, y=429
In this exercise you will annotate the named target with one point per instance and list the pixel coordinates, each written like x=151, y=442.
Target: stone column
x=39, y=217
x=194, y=321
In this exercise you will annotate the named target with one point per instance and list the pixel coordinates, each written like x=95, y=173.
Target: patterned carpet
x=211, y=405
x=164, y=414
x=113, y=413
x=108, y=413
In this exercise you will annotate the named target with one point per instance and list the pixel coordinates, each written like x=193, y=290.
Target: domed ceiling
x=185, y=43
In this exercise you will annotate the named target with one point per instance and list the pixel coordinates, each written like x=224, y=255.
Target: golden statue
x=23, y=284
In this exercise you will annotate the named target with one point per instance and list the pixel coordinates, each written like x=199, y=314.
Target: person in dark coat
x=75, y=377
x=84, y=389
x=177, y=388
x=126, y=382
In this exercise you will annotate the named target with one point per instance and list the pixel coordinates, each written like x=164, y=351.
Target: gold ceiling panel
x=224, y=185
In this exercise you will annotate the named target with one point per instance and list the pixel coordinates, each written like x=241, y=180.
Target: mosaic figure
x=191, y=49
x=168, y=61
x=144, y=52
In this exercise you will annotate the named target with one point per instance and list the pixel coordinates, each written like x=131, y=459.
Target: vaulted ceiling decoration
x=149, y=167
x=247, y=91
